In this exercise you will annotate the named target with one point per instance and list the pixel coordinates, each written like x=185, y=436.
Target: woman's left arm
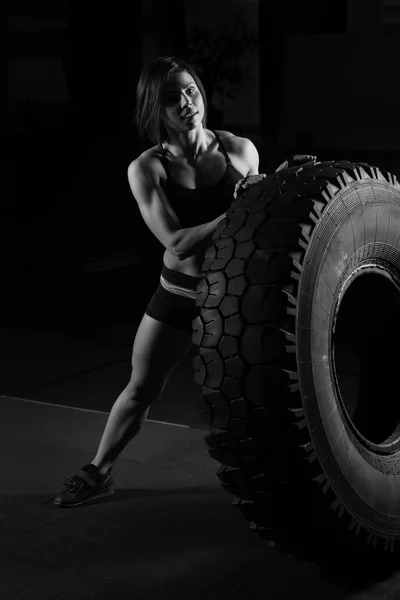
x=252, y=160
x=250, y=156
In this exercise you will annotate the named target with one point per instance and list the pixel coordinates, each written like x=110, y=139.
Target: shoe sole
x=106, y=492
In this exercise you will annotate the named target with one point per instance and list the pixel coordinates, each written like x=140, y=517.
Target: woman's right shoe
x=88, y=483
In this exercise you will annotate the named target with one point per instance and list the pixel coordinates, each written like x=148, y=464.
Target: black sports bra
x=201, y=205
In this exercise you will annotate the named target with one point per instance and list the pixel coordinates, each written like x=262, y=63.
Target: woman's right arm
x=145, y=183
x=195, y=240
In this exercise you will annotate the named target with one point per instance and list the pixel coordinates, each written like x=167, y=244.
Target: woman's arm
x=253, y=176
x=251, y=158
x=194, y=240
x=145, y=184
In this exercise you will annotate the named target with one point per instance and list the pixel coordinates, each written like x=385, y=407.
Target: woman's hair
x=149, y=90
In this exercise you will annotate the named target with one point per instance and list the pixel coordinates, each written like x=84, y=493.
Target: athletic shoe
x=88, y=483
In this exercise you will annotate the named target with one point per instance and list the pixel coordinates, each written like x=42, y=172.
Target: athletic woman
x=183, y=184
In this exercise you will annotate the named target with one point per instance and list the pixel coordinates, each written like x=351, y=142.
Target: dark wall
x=64, y=186
x=277, y=21
x=323, y=70
x=103, y=63
x=70, y=137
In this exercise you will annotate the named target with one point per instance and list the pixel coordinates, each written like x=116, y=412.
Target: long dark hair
x=149, y=89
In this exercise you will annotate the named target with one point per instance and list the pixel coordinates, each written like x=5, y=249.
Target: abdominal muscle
x=190, y=265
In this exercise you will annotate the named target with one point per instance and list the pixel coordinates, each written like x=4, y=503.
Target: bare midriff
x=190, y=266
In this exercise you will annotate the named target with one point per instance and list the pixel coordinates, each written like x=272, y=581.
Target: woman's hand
x=247, y=182
x=292, y=161
x=297, y=160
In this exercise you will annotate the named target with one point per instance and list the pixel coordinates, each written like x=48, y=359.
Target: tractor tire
x=298, y=351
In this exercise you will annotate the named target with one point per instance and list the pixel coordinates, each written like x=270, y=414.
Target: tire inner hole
x=366, y=351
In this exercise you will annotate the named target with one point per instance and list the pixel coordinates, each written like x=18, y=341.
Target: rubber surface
x=298, y=460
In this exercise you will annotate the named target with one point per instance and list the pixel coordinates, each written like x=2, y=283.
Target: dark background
x=322, y=79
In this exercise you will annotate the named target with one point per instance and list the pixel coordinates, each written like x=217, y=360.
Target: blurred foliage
x=217, y=55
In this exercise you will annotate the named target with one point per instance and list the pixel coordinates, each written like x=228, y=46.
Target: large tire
x=301, y=298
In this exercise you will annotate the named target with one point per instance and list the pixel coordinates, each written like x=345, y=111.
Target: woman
x=184, y=184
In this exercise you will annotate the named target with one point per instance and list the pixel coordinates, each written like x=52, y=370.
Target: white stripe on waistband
x=176, y=289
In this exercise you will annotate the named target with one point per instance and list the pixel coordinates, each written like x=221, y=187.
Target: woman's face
x=182, y=103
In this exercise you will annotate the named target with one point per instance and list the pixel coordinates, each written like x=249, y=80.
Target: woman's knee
x=141, y=393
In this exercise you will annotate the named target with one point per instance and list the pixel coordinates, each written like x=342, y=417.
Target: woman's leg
x=157, y=350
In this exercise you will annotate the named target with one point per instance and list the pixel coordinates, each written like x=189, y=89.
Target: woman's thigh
x=157, y=350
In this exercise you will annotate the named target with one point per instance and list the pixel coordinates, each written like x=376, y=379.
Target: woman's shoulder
x=241, y=147
x=147, y=162
x=235, y=143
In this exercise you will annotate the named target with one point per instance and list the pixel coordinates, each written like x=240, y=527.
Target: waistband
x=179, y=283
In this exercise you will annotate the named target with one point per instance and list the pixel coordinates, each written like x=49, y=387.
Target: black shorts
x=174, y=301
